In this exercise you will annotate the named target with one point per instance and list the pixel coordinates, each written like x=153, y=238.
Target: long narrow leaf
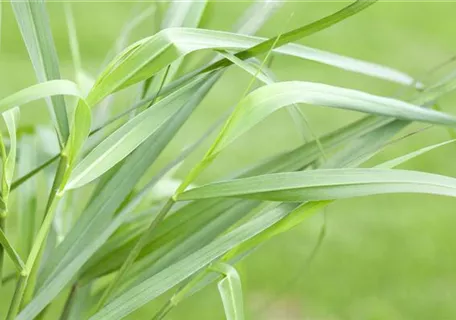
x=6, y=244
x=327, y=184
x=265, y=100
x=127, y=138
x=34, y=25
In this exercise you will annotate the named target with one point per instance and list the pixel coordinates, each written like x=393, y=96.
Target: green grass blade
x=80, y=129
x=176, y=273
x=126, y=139
x=11, y=118
x=329, y=184
x=26, y=176
x=230, y=290
x=400, y=160
x=39, y=91
x=295, y=112
x=184, y=14
x=34, y=25
x=27, y=206
x=148, y=56
x=265, y=100
x=256, y=15
x=5, y=243
x=301, y=32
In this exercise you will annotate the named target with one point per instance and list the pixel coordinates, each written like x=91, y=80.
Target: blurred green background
x=384, y=257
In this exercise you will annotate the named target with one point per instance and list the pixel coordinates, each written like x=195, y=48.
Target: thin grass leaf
x=329, y=184
x=265, y=100
x=80, y=129
x=6, y=244
x=230, y=290
x=179, y=14
x=132, y=23
x=33, y=22
x=27, y=205
x=11, y=118
x=256, y=15
x=127, y=138
x=39, y=91
x=1, y=23
x=295, y=112
x=400, y=160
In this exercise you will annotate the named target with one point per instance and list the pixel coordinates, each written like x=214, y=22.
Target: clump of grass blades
x=223, y=221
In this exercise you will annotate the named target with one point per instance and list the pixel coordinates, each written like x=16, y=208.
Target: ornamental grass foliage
x=131, y=241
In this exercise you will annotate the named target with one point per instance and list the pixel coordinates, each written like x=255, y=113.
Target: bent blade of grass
x=265, y=75
x=33, y=22
x=148, y=56
x=139, y=61
x=179, y=14
x=127, y=138
x=39, y=91
x=267, y=99
x=230, y=291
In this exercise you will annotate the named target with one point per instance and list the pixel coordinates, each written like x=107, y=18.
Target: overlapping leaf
x=33, y=22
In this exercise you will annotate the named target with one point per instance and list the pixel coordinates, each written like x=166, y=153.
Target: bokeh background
x=384, y=257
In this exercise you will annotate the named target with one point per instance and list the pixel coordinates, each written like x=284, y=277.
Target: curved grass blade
x=127, y=138
x=230, y=290
x=265, y=100
x=148, y=56
x=33, y=22
x=299, y=118
x=39, y=91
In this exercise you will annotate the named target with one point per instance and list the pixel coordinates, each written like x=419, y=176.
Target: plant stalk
x=17, y=297
x=26, y=286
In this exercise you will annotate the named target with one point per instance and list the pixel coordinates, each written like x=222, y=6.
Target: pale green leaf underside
x=11, y=118
x=39, y=91
x=230, y=291
x=329, y=184
x=148, y=56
